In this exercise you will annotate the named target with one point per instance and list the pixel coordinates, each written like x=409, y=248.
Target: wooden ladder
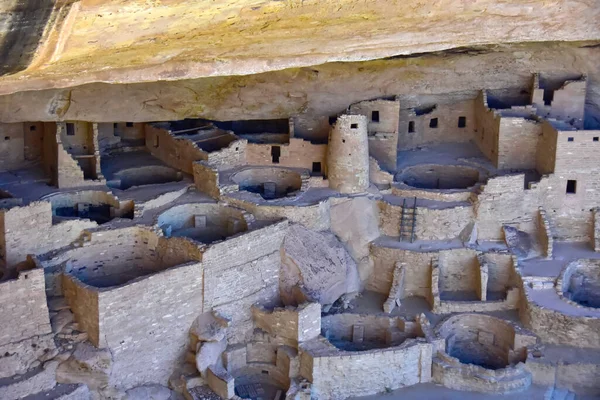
x=408, y=220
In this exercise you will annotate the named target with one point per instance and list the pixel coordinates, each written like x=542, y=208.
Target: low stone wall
x=315, y=216
x=451, y=373
x=401, y=189
x=579, y=376
x=337, y=374
x=555, y=327
x=545, y=235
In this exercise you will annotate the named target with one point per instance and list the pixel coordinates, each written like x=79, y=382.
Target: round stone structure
x=271, y=183
x=439, y=177
x=580, y=283
x=348, y=155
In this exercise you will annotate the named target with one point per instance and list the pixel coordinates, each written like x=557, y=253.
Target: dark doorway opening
x=433, y=123
x=275, y=154
x=411, y=127
x=375, y=116
x=571, y=186
x=316, y=167
x=462, y=122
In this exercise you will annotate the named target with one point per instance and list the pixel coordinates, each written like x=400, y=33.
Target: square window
x=375, y=116
x=462, y=122
x=571, y=186
x=6, y=137
x=70, y=129
x=411, y=127
x=129, y=124
x=571, y=139
x=433, y=123
x=32, y=128
x=316, y=167
x=353, y=126
x=595, y=139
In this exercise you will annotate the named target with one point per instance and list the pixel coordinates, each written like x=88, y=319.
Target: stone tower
x=348, y=157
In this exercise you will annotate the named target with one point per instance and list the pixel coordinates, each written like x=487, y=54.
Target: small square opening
x=462, y=122
x=433, y=123
x=332, y=120
x=375, y=116
x=275, y=154
x=32, y=128
x=353, y=126
x=70, y=129
x=316, y=167
x=571, y=139
x=6, y=137
x=595, y=139
x=129, y=124
x=411, y=127
x=571, y=186
x=115, y=125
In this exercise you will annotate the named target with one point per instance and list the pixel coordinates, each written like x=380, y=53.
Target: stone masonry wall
x=362, y=373
x=518, y=143
x=29, y=230
x=176, y=152
x=447, y=130
x=298, y=153
x=431, y=224
x=23, y=308
x=383, y=117
x=83, y=300
x=487, y=128
x=12, y=147
x=348, y=155
x=240, y=272
x=145, y=324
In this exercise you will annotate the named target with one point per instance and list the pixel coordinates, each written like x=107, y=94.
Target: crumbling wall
x=417, y=280
x=567, y=103
x=83, y=301
x=178, y=153
x=487, y=132
x=29, y=230
x=23, y=309
x=415, y=129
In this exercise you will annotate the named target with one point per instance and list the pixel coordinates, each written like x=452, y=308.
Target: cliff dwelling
x=299, y=200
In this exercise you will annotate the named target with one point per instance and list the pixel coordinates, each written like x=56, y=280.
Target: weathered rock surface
x=209, y=354
x=355, y=222
x=317, y=91
x=35, y=381
x=518, y=242
x=209, y=327
x=61, y=320
x=315, y=267
x=67, y=43
x=17, y=358
x=87, y=365
x=151, y=392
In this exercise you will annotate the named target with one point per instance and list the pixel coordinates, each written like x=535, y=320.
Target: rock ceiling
x=205, y=48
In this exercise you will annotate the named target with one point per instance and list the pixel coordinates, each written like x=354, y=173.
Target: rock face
x=321, y=90
x=125, y=41
x=315, y=267
x=209, y=354
x=87, y=365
